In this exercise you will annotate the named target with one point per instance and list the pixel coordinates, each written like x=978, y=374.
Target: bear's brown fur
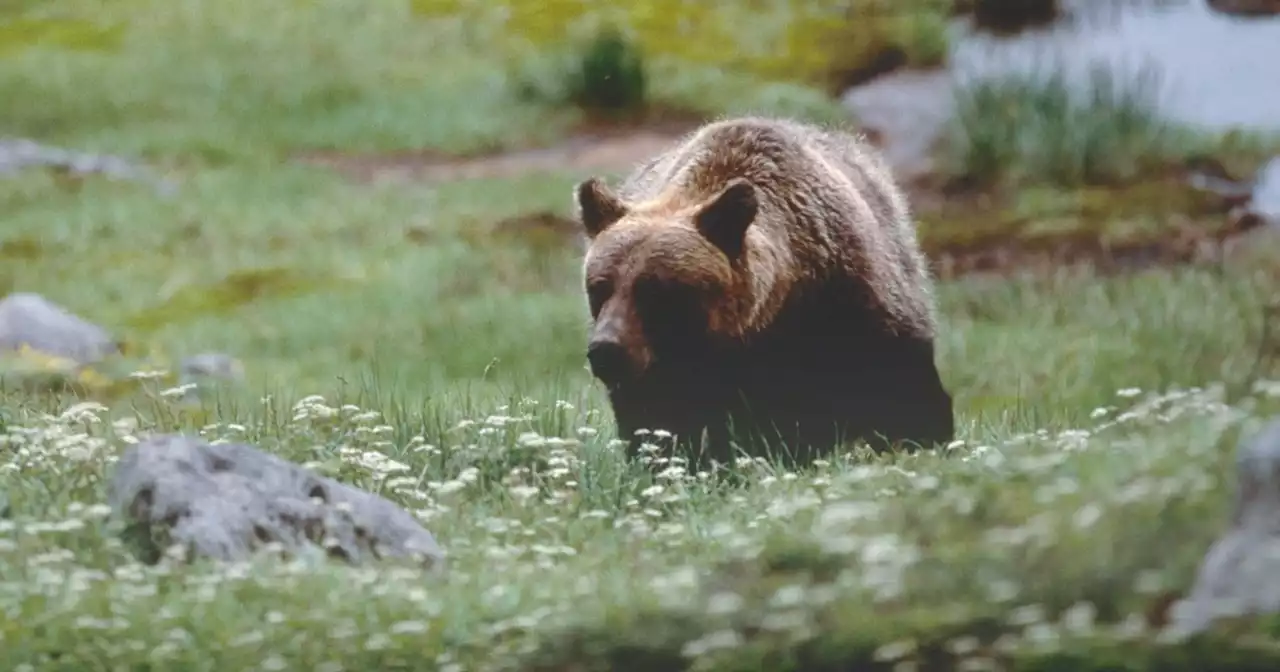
x=762, y=279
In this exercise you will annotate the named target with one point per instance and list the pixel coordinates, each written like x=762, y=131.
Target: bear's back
x=699, y=164
x=790, y=160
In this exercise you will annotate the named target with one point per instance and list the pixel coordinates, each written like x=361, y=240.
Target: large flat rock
x=226, y=501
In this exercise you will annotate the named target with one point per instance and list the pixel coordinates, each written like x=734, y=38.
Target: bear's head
x=666, y=280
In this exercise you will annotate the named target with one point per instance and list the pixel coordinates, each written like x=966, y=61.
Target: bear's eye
x=597, y=293
x=668, y=307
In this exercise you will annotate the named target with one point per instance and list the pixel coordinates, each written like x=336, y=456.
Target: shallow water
x=1215, y=71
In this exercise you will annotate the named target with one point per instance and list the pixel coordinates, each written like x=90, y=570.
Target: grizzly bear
x=761, y=283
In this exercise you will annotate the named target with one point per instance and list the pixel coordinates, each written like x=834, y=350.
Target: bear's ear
x=725, y=218
x=598, y=206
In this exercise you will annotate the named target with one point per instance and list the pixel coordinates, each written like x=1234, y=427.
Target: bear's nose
x=609, y=361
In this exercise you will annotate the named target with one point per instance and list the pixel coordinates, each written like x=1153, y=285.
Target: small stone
x=211, y=365
x=227, y=501
x=199, y=372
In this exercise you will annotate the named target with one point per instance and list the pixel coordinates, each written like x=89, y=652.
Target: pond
x=1214, y=71
x=1217, y=71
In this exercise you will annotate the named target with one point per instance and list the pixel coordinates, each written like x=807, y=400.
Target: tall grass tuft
x=1044, y=128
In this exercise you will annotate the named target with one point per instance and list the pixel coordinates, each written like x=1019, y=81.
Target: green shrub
x=610, y=76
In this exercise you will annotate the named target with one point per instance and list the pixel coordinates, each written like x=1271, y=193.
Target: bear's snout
x=609, y=361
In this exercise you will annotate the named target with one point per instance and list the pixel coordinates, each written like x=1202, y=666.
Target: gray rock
x=226, y=501
x=1238, y=575
x=1212, y=178
x=207, y=370
x=909, y=111
x=1266, y=193
x=31, y=320
x=1252, y=203
x=210, y=365
x=20, y=153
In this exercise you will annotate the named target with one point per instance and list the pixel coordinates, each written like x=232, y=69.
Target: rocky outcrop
x=226, y=501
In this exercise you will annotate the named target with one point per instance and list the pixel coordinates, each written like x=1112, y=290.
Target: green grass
x=243, y=80
x=563, y=556
x=457, y=351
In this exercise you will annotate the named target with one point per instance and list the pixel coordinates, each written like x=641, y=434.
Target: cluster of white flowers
x=531, y=541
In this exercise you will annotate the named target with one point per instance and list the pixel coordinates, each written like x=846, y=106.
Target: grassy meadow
x=401, y=337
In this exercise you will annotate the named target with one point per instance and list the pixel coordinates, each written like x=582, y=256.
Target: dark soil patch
x=1190, y=244
x=1159, y=220
x=1011, y=16
x=885, y=61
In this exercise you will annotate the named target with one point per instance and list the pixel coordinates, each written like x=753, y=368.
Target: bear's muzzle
x=610, y=361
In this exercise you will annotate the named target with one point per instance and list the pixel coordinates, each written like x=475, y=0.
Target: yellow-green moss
x=234, y=290
x=108, y=379
x=774, y=39
x=1141, y=211
x=17, y=34
x=21, y=249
